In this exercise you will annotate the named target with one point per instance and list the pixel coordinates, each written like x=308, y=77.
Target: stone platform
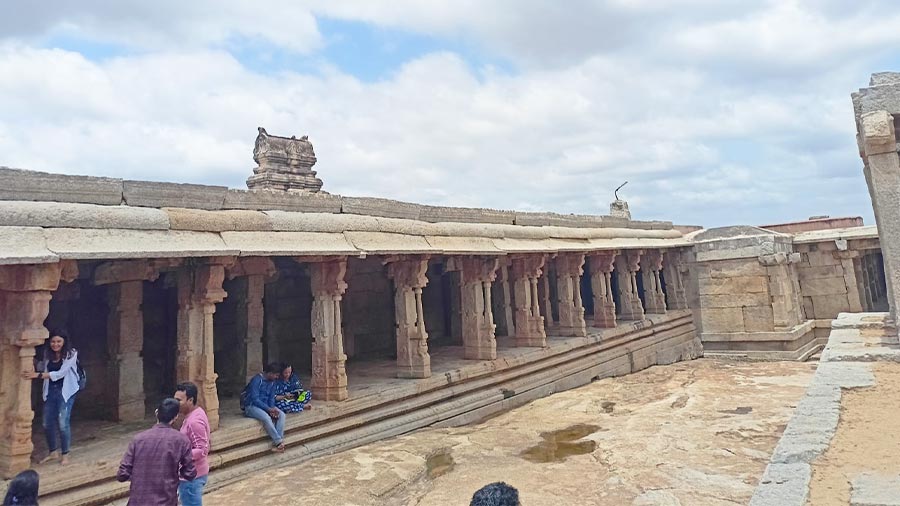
x=840, y=446
x=380, y=406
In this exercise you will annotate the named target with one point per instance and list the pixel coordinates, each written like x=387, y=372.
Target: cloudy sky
x=716, y=111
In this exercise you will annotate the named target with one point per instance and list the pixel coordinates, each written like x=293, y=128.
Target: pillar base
x=331, y=394
x=479, y=353
x=415, y=373
x=572, y=331
x=534, y=341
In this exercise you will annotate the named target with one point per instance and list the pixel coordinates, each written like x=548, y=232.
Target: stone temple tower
x=283, y=164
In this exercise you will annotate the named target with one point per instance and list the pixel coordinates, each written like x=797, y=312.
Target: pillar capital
x=570, y=264
x=252, y=266
x=603, y=261
x=633, y=259
x=409, y=271
x=475, y=269
x=652, y=259
x=527, y=266
x=877, y=133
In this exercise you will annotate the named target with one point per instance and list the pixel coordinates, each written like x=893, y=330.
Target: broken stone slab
x=783, y=485
x=191, y=196
x=24, y=245
x=70, y=215
x=273, y=200
x=18, y=184
x=875, y=489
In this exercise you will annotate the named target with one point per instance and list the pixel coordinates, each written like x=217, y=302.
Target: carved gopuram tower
x=283, y=164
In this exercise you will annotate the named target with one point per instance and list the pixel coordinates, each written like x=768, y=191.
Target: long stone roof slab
x=68, y=215
x=382, y=243
x=288, y=243
x=87, y=244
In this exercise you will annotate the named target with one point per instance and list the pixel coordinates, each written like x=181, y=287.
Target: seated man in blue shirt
x=258, y=401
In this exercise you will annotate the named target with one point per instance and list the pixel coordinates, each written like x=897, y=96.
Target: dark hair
x=284, y=367
x=167, y=410
x=189, y=389
x=66, y=349
x=496, y=494
x=273, y=367
x=23, y=489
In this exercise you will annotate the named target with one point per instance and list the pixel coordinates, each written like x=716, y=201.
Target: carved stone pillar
x=627, y=266
x=409, y=278
x=654, y=297
x=251, y=316
x=25, y=292
x=601, y=266
x=329, y=375
x=479, y=342
x=529, y=324
x=569, y=268
x=675, y=271
x=546, y=307
x=199, y=290
x=125, y=334
x=506, y=316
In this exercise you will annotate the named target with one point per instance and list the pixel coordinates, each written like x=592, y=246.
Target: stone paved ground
x=696, y=433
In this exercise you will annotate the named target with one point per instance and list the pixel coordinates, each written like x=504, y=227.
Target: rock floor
x=694, y=433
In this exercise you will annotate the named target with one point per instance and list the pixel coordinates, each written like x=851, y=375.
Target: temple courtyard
x=692, y=433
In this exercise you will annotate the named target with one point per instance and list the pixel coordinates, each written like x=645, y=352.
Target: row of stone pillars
x=26, y=290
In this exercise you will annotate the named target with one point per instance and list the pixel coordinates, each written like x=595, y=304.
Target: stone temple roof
x=46, y=217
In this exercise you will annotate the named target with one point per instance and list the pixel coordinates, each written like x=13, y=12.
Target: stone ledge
x=270, y=200
x=386, y=208
x=193, y=196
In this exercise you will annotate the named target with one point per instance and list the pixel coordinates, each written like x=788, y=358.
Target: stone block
x=884, y=78
x=217, y=221
x=66, y=215
x=821, y=258
x=380, y=207
x=191, y=196
x=534, y=219
x=821, y=271
x=828, y=307
x=875, y=489
x=734, y=285
x=783, y=485
x=735, y=267
x=24, y=245
x=877, y=129
x=823, y=286
x=729, y=319
x=17, y=184
x=436, y=214
x=758, y=318
x=734, y=300
x=272, y=200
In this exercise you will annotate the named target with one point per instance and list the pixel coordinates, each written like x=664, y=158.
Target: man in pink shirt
x=196, y=428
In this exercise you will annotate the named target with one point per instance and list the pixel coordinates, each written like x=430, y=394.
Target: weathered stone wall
x=823, y=283
x=368, y=310
x=734, y=296
x=288, y=326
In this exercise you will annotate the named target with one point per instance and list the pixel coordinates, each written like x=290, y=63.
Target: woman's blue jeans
x=57, y=413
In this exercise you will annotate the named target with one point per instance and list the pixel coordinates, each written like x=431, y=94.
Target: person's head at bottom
x=23, y=489
x=167, y=410
x=496, y=494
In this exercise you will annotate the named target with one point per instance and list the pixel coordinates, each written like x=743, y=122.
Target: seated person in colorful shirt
x=290, y=396
x=258, y=401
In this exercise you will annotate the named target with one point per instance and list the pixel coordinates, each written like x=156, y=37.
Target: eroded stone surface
x=695, y=433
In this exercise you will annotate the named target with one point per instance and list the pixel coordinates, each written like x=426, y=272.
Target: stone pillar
x=199, y=290
x=25, y=292
x=601, y=266
x=409, y=278
x=627, y=266
x=651, y=264
x=479, y=342
x=546, y=308
x=507, y=313
x=848, y=259
x=675, y=270
x=529, y=324
x=569, y=268
x=329, y=375
x=251, y=316
x=878, y=146
x=125, y=334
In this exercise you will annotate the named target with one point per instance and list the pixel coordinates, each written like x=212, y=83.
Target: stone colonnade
x=26, y=291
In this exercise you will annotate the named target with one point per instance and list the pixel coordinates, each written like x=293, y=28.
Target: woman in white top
x=60, y=375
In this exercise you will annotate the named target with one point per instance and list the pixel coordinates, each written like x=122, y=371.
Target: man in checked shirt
x=156, y=459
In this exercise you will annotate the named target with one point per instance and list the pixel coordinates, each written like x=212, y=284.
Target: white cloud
x=607, y=92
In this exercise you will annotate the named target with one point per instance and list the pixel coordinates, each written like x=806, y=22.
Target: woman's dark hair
x=66, y=349
x=496, y=494
x=284, y=367
x=23, y=489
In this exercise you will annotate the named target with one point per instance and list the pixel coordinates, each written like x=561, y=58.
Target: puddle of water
x=561, y=444
x=740, y=410
x=439, y=464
